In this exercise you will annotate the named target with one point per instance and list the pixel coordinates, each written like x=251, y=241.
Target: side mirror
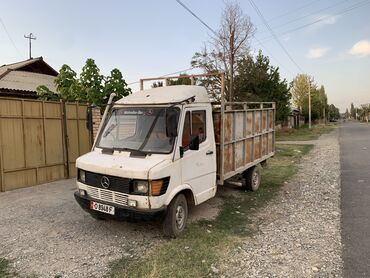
x=172, y=119
x=194, y=143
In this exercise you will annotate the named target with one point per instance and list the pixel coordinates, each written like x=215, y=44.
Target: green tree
x=333, y=112
x=67, y=85
x=44, y=93
x=116, y=84
x=353, y=111
x=91, y=82
x=299, y=89
x=258, y=80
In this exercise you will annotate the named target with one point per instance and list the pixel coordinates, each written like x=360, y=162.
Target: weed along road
x=355, y=166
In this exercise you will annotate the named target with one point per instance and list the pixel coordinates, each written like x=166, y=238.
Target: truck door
x=199, y=166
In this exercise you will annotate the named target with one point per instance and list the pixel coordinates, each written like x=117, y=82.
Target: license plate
x=102, y=208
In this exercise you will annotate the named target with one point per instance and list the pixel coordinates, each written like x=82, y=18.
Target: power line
x=214, y=32
x=294, y=10
x=10, y=38
x=347, y=10
x=269, y=52
x=273, y=34
x=310, y=14
x=197, y=17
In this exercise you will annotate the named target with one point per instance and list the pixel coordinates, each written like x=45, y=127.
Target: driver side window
x=194, y=125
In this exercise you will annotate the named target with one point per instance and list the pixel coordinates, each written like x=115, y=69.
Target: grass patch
x=5, y=269
x=304, y=133
x=205, y=242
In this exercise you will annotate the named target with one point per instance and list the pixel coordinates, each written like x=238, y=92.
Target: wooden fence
x=40, y=141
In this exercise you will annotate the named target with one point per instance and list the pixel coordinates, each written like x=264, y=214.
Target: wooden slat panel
x=229, y=124
x=264, y=120
x=239, y=154
x=12, y=144
x=33, y=109
x=52, y=110
x=264, y=144
x=257, y=147
x=82, y=109
x=248, y=150
x=72, y=170
x=271, y=119
x=239, y=128
x=34, y=142
x=249, y=123
x=73, y=150
x=71, y=111
x=83, y=137
x=217, y=126
x=19, y=179
x=50, y=173
x=10, y=107
x=228, y=162
x=54, y=141
x=257, y=122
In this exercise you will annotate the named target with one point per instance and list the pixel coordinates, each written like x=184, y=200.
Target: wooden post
x=2, y=186
x=141, y=84
x=66, y=143
x=222, y=137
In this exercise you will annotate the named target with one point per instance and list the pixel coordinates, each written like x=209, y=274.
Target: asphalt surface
x=354, y=141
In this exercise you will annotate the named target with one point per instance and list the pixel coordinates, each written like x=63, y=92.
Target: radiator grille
x=117, y=184
x=107, y=195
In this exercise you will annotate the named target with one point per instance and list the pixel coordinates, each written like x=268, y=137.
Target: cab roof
x=167, y=95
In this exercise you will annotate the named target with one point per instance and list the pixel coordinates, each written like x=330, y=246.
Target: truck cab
x=155, y=154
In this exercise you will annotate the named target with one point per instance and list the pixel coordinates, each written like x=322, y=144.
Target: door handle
x=209, y=152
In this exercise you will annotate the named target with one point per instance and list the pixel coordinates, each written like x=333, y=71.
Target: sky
x=328, y=39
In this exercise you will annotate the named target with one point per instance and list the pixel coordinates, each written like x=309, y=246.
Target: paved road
x=355, y=199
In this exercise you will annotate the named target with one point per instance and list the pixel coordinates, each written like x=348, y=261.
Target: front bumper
x=121, y=213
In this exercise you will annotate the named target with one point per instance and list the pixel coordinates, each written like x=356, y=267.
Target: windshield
x=136, y=129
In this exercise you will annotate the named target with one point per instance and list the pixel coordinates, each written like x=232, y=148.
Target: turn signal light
x=156, y=187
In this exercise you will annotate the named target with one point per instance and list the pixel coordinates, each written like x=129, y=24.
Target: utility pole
x=30, y=37
x=309, y=103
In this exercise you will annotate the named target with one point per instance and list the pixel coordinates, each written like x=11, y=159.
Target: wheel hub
x=180, y=216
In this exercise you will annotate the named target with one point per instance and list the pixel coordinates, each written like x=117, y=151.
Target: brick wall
x=96, y=119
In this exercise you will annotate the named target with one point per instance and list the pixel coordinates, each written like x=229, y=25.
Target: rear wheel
x=176, y=217
x=252, y=178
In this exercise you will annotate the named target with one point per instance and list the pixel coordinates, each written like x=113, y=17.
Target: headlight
x=82, y=176
x=140, y=187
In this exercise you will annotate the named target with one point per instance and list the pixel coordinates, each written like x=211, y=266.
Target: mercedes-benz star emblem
x=105, y=182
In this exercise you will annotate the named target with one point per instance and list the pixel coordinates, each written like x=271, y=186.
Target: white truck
x=162, y=150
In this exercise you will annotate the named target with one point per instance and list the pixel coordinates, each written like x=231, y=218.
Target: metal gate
x=40, y=141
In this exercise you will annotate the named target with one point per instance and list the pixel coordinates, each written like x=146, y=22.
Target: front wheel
x=252, y=178
x=177, y=214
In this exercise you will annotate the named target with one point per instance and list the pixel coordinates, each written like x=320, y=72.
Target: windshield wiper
x=128, y=149
x=109, y=130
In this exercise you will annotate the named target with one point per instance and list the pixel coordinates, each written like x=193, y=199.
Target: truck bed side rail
x=244, y=134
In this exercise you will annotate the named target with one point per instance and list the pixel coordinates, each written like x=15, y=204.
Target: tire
x=252, y=178
x=176, y=217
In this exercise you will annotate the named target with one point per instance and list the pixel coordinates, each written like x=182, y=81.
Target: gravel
x=299, y=231
x=45, y=233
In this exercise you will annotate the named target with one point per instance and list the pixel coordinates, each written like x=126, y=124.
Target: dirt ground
x=45, y=233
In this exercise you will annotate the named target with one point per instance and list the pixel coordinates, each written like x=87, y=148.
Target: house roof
x=37, y=65
x=166, y=95
x=26, y=81
x=27, y=75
